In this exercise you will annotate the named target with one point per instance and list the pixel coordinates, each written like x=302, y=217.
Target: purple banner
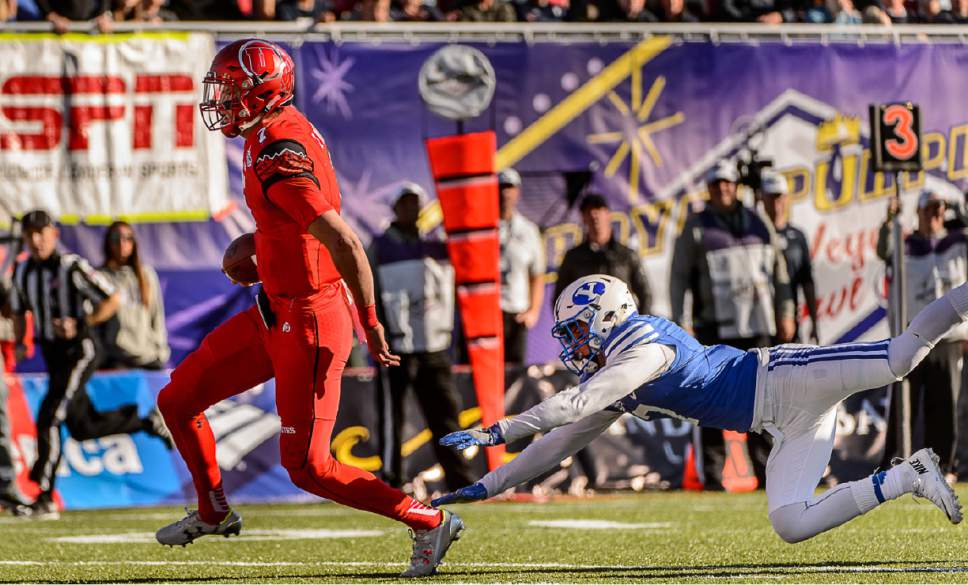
x=646, y=121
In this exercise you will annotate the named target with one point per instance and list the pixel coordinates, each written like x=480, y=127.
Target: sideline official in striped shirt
x=67, y=298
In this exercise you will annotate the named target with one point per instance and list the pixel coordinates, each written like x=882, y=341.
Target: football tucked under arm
x=239, y=263
x=627, y=372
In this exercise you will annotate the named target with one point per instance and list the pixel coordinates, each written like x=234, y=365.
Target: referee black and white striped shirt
x=63, y=285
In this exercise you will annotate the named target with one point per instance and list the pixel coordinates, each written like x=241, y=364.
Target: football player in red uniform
x=300, y=331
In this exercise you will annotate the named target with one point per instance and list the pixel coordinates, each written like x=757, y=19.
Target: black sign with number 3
x=895, y=137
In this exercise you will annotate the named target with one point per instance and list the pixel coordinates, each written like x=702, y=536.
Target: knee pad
x=787, y=523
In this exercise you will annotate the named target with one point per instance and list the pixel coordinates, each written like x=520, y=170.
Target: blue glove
x=474, y=437
x=471, y=493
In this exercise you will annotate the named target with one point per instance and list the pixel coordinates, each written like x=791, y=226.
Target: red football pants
x=306, y=351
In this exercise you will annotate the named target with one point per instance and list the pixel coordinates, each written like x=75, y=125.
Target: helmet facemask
x=221, y=106
x=581, y=347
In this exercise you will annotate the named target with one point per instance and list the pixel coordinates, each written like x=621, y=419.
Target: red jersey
x=288, y=180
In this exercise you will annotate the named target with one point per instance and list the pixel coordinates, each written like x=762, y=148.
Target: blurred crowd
x=107, y=12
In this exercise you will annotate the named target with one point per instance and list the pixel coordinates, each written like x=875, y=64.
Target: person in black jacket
x=601, y=253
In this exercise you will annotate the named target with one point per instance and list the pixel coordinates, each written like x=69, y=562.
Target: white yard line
x=588, y=524
x=248, y=535
x=739, y=572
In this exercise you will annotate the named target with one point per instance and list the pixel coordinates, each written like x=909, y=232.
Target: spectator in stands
x=674, y=11
x=935, y=262
x=522, y=269
x=27, y=10
x=415, y=11
x=153, y=11
x=60, y=13
x=763, y=11
x=415, y=287
x=206, y=9
x=601, y=253
x=543, y=11
x=844, y=12
x=775, y=194
x=372, y=11
x=729, y=259
x=635, y=11
x=310, y=10
x=488, y=11
x=936, y=12
x=959, y=11
x=897, y=11
x=8, y=10
x=10, y=495
x=135, y=337
x=814, y=12
x=874, y=14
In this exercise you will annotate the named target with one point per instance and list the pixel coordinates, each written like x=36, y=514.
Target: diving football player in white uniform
x=647, y=366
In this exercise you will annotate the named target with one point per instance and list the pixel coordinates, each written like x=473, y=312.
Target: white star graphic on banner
x=330, y=74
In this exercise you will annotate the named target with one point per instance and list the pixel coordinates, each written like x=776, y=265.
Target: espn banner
x=137, y=470
x=95, y=127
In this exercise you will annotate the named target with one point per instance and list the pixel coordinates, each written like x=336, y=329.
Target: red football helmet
x=247, y=80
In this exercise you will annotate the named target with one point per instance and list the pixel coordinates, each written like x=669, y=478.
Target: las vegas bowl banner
x=94, y=127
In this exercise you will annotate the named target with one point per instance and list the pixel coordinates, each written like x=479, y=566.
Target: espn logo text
x=36, y=108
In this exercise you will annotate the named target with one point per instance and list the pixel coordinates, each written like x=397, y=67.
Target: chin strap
x=250, y=123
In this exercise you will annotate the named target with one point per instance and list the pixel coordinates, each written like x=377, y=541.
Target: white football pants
x=802, y=387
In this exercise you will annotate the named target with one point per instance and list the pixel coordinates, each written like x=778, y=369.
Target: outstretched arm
x=537, y=458
x=631, y=369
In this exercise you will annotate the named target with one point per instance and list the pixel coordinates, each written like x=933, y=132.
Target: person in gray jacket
x=415, y=298
x=729, y=258
x=935, y=261
x=135, y=337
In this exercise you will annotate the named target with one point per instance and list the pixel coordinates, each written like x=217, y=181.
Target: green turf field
x=662, y=537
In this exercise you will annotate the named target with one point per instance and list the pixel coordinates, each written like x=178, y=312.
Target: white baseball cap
x=927, y=197
x=410, y=188
x=723, y=171
x=509, y=176
x=773, y=183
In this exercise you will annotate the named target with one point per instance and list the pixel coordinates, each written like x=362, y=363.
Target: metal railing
x=539, y=32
